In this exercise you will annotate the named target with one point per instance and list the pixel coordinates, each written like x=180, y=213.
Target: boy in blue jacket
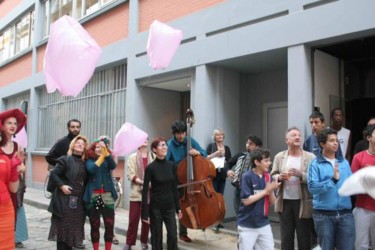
x=332, y=213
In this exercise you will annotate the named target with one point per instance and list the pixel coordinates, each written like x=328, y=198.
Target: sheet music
x=218, y=162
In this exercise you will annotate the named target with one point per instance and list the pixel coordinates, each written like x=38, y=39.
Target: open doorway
x=357, y=58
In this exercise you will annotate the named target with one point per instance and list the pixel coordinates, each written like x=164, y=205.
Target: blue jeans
x=335, y=231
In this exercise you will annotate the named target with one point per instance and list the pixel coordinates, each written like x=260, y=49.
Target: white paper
x=218, y=162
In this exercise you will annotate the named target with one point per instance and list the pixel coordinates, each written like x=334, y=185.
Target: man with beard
x=62, y=145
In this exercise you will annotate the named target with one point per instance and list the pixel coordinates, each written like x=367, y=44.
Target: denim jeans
x=335, y=231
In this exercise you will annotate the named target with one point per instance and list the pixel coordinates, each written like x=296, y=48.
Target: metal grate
x=100, y=107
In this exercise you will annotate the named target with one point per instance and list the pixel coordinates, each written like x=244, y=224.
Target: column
x=300, y=88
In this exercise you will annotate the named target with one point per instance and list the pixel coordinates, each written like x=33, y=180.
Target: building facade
x=247, y=66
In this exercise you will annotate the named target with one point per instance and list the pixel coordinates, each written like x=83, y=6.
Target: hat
x=361, y=182
x=18, y=114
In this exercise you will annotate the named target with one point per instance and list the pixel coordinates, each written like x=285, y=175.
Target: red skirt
x=7, y=226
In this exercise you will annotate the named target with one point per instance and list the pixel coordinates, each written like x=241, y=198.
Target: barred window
x=100, y=107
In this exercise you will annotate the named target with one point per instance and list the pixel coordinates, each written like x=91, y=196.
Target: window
x=54, y=9
x=24, y=32
x=100, y=107
x=17, y=37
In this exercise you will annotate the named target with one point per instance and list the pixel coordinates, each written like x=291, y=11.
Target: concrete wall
x=255, y=90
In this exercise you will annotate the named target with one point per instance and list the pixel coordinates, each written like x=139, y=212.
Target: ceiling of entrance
x=250, y=64
x=356, y=51
x=180, y=85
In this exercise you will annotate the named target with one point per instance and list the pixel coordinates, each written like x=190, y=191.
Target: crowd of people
x=302, y=182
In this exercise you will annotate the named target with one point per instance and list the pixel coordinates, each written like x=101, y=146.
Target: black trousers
x=62, y=246
x=291, y=223
x=157, y=217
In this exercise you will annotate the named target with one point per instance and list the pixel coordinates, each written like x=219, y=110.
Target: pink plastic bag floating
x=71, y=57
x=162, y=43
x=128, y=139
x=21, y=138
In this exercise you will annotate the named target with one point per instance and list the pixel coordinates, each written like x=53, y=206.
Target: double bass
x=200, y=205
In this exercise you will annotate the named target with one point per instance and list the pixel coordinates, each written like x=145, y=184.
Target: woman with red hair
x=100, y=193
x=8, y=183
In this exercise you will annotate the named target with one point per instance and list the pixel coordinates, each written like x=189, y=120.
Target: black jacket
x=63, y=173
x=60, y=148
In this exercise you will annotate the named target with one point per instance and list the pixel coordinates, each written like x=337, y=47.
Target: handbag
x=21, y=190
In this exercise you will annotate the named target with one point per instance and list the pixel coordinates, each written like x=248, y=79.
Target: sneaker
x=115, y=240
x=144, y=246
x=185, y=238
x=19, y=245
x=80, y=246
x=127, y=247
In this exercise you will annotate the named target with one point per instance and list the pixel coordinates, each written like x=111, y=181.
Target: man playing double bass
x=177, y=150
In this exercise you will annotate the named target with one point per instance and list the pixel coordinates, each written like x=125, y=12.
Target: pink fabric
x=162, y=44
x=21, y=138
x=128, y=139
x=71, y=57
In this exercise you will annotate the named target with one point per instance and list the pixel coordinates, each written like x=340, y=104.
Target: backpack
x=242, y=163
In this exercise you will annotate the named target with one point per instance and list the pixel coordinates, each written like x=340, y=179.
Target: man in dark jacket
x=62, y=145
x=252, y=143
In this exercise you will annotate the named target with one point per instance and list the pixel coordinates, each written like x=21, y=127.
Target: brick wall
x=109, y=27
x=7, y=6
x=16, y=70
x=168, y=10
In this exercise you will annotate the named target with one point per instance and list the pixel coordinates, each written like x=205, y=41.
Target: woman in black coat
x=68, y=179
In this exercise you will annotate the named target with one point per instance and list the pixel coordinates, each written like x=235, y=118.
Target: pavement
x=39, y=222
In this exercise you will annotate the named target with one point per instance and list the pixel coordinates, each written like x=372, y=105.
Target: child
x=256, y=194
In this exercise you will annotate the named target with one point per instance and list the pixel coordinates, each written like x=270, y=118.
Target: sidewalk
x=208, y=239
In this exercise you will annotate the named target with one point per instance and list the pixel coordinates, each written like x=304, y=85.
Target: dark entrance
x=358, y=57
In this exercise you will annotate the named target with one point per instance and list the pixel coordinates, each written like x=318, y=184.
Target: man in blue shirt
x=332, y=213
x=311, y=144
x=177, y=150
